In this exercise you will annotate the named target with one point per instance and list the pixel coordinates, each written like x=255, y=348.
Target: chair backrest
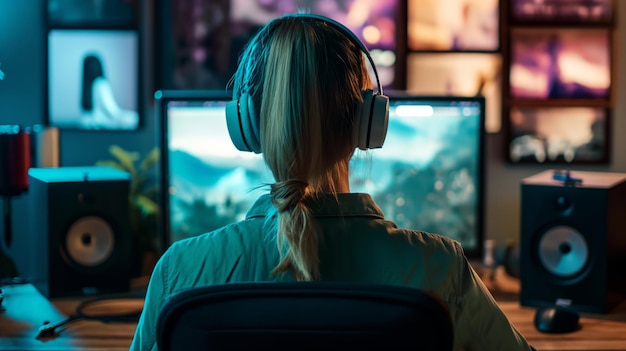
x=303, y=316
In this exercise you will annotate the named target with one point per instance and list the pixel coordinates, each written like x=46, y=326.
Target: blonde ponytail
x=305, y=79
x=297, y=238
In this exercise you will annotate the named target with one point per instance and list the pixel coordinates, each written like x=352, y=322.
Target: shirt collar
x=326, y=205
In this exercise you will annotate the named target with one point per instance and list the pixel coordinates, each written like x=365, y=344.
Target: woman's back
x=357, y=245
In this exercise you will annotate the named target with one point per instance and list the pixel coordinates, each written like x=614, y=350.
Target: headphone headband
x=350, y=35
x=370, y=121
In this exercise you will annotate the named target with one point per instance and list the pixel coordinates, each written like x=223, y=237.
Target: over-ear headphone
x=371, y=120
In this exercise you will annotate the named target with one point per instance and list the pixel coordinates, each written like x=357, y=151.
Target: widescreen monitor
x=427, y=176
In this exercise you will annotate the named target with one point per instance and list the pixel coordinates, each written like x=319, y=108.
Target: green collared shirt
x=358, y=245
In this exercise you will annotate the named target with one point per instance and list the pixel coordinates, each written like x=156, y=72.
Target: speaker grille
x=563, y=251
x=90, y=241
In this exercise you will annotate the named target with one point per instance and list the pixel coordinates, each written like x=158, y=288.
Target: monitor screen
x=198, y=43
x=437, y=187
x=93, y=79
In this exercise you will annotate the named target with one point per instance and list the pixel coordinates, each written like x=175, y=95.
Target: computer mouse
x=556, y=319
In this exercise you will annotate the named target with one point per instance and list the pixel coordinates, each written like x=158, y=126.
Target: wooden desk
x=598, y=332
x=27, y=309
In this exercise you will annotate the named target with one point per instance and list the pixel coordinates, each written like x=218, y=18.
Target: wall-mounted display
x=549, y=63
x=198, y=43
x=93, y=78
x=92, y=14
x=459, y=74
x=453, y=25
x=562, y=11
x=571, y=135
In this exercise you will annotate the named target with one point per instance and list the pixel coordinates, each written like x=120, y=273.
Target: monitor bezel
x=162, y=98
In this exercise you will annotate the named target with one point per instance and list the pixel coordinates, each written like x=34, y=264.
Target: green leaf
x=146, y=205
x=126, y=159
x=143, y=192
x=151, y=159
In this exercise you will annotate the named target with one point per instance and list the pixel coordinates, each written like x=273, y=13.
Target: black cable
x=49, y=330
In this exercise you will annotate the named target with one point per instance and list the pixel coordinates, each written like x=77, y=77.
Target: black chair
x=303, y=316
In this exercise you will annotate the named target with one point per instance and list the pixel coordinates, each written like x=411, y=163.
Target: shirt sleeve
x=145, y=334
x=480, y=323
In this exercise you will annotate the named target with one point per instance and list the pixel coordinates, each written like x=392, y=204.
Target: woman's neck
x=338, y=180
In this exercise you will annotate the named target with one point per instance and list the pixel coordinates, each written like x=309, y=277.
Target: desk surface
x=26, y=310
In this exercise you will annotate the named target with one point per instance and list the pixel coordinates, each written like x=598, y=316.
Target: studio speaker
x=79, y=242
x=573, y=240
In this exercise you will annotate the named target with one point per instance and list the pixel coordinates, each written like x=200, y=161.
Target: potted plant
x=143, y=204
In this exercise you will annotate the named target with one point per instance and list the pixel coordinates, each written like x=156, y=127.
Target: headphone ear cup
x=379, y=121
x=251, y=124
x=233, y=122
x=243, y=124
x=362, y=120
x=371, y=121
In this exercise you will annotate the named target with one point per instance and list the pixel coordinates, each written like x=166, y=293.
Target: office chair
x=303, y=316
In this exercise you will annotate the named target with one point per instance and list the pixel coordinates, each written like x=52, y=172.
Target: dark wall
x=21, y=53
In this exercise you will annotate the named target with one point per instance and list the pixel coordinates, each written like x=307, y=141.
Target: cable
x=50, y=330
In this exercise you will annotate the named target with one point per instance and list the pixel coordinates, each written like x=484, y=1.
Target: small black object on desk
x=556, y=319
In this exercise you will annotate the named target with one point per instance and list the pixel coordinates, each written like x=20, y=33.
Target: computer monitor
x=427, y=176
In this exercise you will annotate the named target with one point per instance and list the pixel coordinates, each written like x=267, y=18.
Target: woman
x=303, y=81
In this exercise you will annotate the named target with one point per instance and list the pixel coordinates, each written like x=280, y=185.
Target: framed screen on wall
x=199, y=42
x=579, y=12
x=454, y=25
x=92, y=14
x=93, y=79
x=459, y=74
x=548, y=63
x=574, y=135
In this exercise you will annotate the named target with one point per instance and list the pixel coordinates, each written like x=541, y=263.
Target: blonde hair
x=305, y=79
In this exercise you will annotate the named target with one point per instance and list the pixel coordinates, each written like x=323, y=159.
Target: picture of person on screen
x=303, y=98
x=98, y=104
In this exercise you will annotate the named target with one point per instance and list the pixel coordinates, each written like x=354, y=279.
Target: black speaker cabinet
x=79, y=242
x=573, y=240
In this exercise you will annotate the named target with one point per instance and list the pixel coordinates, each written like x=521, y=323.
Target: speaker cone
x=563, y=251
x=90, y=241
